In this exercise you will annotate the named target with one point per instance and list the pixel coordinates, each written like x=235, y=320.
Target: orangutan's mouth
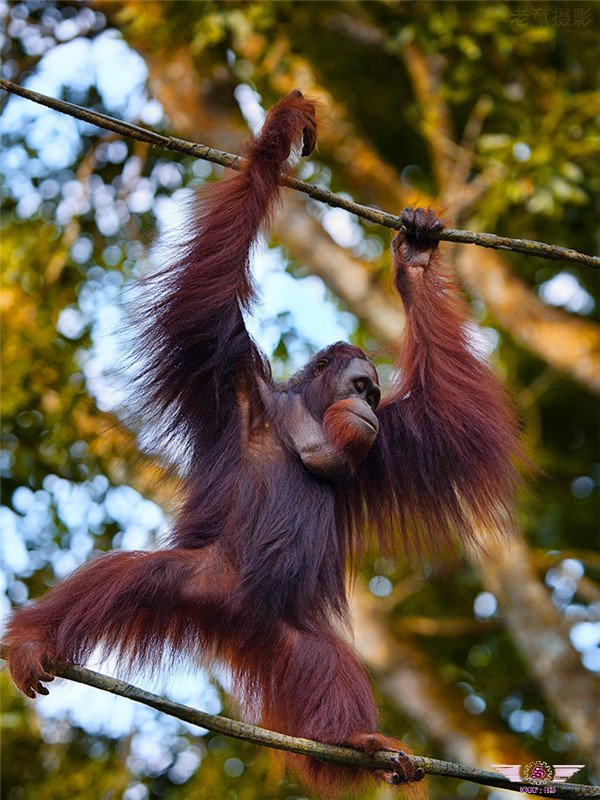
x=370, y=422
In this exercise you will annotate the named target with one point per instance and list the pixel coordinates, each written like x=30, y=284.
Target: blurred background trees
x=484, y=108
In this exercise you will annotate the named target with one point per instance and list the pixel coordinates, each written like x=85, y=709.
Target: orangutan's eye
x=321, y=365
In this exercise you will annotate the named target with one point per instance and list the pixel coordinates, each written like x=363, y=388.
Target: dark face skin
x=350, y=391
x=359, y=382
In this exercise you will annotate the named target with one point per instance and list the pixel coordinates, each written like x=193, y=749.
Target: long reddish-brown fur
x=448, y=437
x=255, y=573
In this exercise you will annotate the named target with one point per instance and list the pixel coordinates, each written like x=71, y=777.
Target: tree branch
x=526, y=246
x=414, y=685
x=566, y=342
x=292, y=744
